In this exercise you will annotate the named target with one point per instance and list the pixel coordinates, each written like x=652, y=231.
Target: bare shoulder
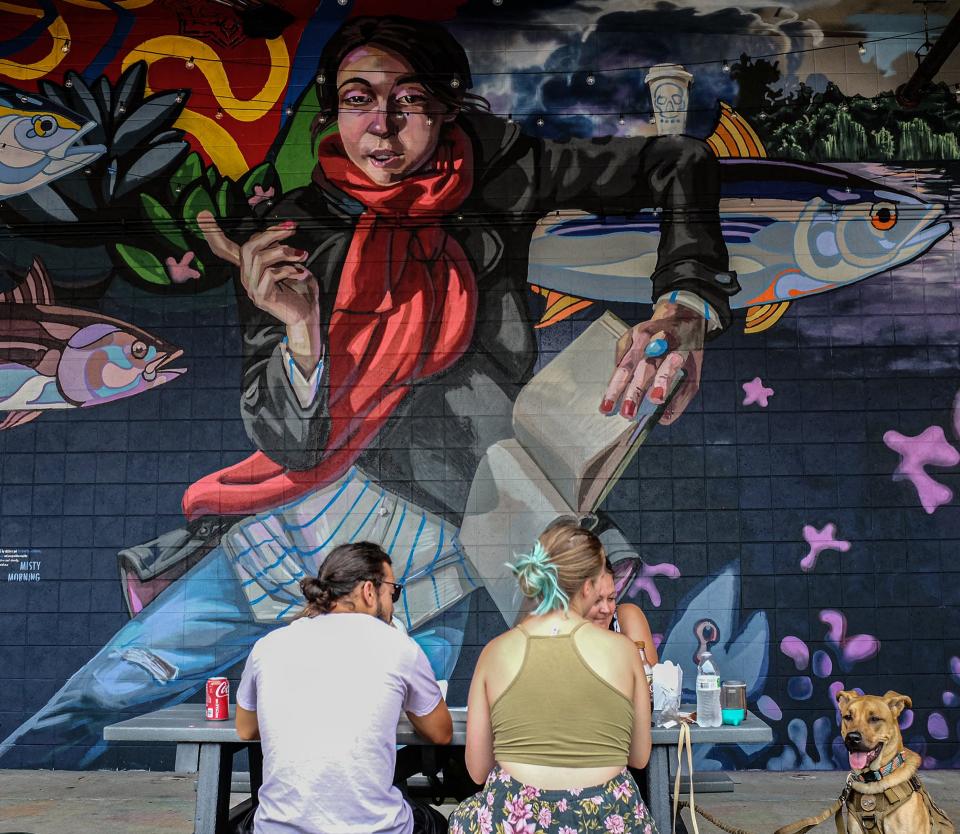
x=502, y=646
x=628, y=614
x=610, y=642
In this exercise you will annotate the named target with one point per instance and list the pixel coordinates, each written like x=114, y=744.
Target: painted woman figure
x=385, y=311
x=386, y=338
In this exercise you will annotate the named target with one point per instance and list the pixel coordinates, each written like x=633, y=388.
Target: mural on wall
x=415, y=242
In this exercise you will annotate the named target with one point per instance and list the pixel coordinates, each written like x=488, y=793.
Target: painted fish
x=791, y=229
x=38, y=141
x=54, y=357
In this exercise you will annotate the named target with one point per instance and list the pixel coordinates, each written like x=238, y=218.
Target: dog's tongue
x=858, y=761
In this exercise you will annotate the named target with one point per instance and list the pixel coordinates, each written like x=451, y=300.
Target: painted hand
x=276, y=281
x=650, y=354
x=271, y=272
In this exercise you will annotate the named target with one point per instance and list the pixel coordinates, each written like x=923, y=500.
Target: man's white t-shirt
x=328, y=692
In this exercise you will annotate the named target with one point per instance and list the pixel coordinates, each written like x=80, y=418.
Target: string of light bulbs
x=190, y=62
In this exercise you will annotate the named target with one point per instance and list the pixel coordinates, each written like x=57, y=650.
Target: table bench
x=207, y=748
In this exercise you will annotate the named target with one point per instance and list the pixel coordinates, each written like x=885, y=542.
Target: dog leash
x=800, y=827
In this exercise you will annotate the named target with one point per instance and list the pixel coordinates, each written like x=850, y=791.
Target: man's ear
x=897, y=702
x=845, y=697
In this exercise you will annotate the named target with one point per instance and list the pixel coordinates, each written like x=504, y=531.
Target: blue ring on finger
x=656, y=348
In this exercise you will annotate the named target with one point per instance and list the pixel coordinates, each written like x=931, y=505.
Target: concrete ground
x=138, y=802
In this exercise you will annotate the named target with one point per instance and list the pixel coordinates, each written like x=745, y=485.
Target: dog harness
x=871, y=810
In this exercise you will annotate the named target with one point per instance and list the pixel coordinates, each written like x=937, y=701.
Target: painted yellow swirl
x=59, y=34
x=216, y=141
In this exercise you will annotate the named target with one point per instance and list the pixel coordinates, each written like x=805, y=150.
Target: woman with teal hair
x=557, y=711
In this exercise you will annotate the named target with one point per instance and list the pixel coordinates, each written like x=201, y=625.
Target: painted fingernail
x=629, y=409
x=606, y=406
x=288, y=224
x=657, y=393
x=300, y=253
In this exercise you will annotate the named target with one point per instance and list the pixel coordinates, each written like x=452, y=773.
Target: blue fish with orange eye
x=54, y=357
x=791, y=230
x=39, y=141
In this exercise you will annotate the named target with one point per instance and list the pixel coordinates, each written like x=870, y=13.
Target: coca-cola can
x=218, y=699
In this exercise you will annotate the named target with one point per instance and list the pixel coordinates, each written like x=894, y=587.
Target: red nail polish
x=657, y=393
x=300, y=253
x=606, y=406
x=288, y=224
x=629, y=409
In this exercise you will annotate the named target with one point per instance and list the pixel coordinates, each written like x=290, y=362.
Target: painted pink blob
x=950, y=699
x=259, y=195
x=837, y=624
x=657, y=640
x=835, y=688
x=756, y=392
x=769, y=708
x=906, y=719
x=796, y=650
x=929, y=448
x=646, y=581
x=819, y=541
x=180, y=270
x=955, y=669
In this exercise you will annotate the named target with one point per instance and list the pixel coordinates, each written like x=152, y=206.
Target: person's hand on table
x=649, y=356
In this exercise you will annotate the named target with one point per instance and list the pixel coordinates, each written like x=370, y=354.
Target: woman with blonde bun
x=556, y=711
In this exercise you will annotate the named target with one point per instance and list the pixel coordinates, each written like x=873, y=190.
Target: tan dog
x=886, y=796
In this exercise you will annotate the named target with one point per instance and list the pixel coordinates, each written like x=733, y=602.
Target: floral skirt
x=508, y=806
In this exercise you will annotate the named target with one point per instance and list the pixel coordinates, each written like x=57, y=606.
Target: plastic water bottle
x=708, y=693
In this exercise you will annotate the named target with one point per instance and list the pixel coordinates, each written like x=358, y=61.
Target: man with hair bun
x=324, y=695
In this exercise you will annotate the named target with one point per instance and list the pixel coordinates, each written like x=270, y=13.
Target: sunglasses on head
x=397, y=588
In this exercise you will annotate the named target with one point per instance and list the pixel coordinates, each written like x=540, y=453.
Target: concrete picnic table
x=207, y=748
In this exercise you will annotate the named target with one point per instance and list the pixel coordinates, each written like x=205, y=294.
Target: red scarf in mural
x=405, y=310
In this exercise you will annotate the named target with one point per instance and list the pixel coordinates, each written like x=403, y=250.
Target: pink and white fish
x=54, y=357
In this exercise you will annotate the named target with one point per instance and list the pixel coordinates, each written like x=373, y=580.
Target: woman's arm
x=639, y=753
x=479, y=750
x=633, y=623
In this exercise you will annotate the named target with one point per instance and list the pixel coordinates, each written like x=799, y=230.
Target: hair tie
x=543, y=573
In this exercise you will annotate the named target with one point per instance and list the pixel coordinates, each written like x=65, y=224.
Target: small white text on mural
x=19, y=565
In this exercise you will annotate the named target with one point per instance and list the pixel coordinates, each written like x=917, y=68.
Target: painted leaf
x=264, y=175
x=144, y=264
x=149, y=166
x=163, y=221
x=197, y=200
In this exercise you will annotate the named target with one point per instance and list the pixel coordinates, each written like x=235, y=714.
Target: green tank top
x=558, y=712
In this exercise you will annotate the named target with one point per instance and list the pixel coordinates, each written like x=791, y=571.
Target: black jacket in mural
x=429, y=448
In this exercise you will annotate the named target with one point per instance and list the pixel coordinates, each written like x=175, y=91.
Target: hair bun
x=313, y=589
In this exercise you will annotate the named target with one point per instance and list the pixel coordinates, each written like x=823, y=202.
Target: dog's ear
x=843, y=698
x=897, y=702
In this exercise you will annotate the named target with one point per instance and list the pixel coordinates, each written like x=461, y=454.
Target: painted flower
x=576, y=791
x=614, y=824
x=623, y=791
x=520, y=827
x=504, y=777
x=490, y=798
x=566, y=829
x=530, y=792
x=648, y=829
x=562, y=805
x=456, y=828
x=596, y=800
x=544, y=818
